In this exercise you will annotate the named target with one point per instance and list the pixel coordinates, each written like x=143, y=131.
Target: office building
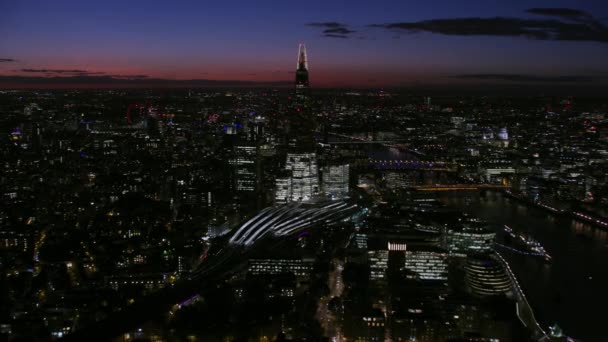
x=465, y=240
x=378, y=264
x=302, y=180
x=428, y=265
x=335, y=181
x=486, y=277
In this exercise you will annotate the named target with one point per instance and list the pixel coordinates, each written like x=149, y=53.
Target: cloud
x=333, y=29
x=7, y=60
x=580, y=26
x=79, y=73
x=331, y=24
x=566, y=13
x=339, y=30
x=106, y=81
x=62, y=71
x=58, y=71
x=129, y=77
x=526, y=78
x=335, y=36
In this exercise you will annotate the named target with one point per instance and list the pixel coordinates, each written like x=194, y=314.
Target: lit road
x=326, y=318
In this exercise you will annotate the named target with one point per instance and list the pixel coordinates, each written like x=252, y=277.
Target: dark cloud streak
x=333, y=29
x=128, y=81
x=339, y=30
x=329, y=35
x=565, y=13
x=62, y=71
x=78, y=73
x=331, y=24
x=129, y=77
x=580, y=27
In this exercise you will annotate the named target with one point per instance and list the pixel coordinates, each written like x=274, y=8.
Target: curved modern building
x=485, y=276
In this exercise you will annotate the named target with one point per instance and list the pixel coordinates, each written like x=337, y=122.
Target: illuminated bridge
x=397, y=164
x=458, y=187
x=290, y=218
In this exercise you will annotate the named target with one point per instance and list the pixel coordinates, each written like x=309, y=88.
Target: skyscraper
x=301, y=122
x=378, y=264
x=335, y=180
x=244, y=163
x=302, y=85
x=302, y=181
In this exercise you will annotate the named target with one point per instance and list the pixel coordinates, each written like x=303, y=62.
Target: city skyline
x=438, y=43
x=303, y=171
x=301, y=214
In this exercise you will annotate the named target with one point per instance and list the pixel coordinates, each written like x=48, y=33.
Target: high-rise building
x=243, y=139
x=378, y=264
x=360, y=241
x=302, y=85
x=335, y=181
x=428, y=265
x=283, y=189
x=302, y=181
x=302, y=122
x=461, y=241
x=244, y=164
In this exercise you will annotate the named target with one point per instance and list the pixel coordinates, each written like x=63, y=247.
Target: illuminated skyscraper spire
x=301, y=122
x=302, y=85
x=302, y=60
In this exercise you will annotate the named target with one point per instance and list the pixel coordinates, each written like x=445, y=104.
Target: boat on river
x=526, y=244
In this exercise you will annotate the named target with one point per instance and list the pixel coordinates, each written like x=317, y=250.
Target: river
x=572, y=291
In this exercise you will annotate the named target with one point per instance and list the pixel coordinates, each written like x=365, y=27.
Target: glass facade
x=335, y=181
x=303, y=180
x=469, y=240
x=427, y=265
x=378, y=263
x=486, y=277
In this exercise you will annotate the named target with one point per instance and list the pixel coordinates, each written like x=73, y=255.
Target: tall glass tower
x=302, y=123
x=302, y=85
x=302, y=181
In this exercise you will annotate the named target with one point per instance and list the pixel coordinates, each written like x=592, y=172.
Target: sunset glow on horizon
x=393, y=44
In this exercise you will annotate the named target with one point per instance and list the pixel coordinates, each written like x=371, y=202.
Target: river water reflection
x=572, y=290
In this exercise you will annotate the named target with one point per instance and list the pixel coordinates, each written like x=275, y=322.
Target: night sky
x=350, y=43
